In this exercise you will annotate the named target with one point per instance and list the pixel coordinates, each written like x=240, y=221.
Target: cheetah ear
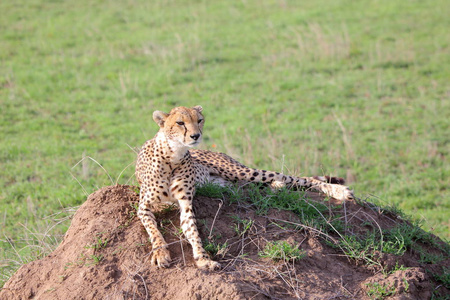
x=198, y=108
x=160, y=117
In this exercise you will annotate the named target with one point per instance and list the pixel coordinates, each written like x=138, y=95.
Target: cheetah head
x=182, y=125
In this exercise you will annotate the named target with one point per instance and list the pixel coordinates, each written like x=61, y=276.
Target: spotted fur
x=168, y=170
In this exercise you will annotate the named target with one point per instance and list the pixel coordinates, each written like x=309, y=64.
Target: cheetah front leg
x=183, y=190
x=161, y=255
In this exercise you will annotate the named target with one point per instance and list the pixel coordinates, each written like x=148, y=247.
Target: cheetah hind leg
x=334, y=190
x=216, y=179
x=333, y=187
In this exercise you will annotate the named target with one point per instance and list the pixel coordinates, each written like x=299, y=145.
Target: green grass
x=362, y=246
x=377, y=291
x=282, y=250
x=98, y=243
x=366, y=243
x=242, y=226
x=215, y=249
x=443, y=278
x=354, y=89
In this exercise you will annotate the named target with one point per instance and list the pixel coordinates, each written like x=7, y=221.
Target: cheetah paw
x=205, y=263
x=344, y=193
x=161, y=257
x=276, y=185
x=348, y=194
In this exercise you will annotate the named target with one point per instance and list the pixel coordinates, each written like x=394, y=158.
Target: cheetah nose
x=195, y=136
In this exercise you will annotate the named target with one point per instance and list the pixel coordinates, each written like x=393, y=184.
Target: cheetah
x=168, y=171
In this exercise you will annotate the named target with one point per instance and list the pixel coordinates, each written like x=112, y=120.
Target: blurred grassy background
x=358, y=89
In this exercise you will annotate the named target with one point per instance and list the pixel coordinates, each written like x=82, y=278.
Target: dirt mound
x=105, y=255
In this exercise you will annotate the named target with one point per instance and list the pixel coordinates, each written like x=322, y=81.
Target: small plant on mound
x=396, y=268
x=95, y=259
x=215, y=249
x=443, y=278
x=360, y=249
x=241, y=226
x=99, y=242
x=430, y=258
x=282, y=250
x=377, y=291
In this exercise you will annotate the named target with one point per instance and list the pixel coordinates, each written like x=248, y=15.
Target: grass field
x=358, y=89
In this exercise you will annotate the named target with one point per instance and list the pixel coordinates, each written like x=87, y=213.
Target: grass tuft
x=282, y=250
x=377, y=291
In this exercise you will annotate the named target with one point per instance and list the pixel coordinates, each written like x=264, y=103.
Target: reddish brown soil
x=120, y=268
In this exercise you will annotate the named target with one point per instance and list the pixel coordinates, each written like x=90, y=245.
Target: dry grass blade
x=214, y=221
x=96, y=162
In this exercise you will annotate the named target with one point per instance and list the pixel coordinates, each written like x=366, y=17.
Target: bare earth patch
x=105, y=254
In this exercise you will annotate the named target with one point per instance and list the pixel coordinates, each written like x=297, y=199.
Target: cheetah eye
x=180, y=123
x=199, y=121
